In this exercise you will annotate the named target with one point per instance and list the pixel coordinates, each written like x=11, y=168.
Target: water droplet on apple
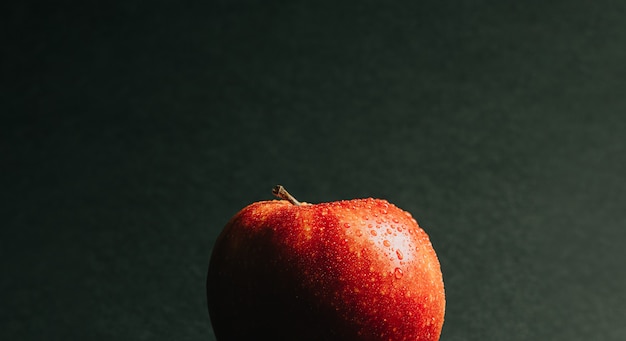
x=384, y=211
x=395, y=220
x=386, y=243
x=369, y=225
x=398, y=273
x=399, y=254
x=399, y=228
x=388, y=231
x=373, y=232
x=358, y=233
x=346, y=225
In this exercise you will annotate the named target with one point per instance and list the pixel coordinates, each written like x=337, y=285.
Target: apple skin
x=357, y=269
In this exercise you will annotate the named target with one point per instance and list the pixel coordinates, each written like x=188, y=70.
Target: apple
x=357, y=269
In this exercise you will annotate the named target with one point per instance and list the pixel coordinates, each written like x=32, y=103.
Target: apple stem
x=282, y=193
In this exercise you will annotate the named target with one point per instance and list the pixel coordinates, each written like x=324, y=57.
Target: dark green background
x=132, y=131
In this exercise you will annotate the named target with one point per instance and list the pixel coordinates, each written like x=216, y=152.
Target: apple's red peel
x=348, y=270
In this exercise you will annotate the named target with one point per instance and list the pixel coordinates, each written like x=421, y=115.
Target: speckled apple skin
x=348, y=270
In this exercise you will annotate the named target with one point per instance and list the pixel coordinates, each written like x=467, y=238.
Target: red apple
x=357, y=269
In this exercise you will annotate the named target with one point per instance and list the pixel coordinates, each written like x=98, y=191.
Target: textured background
x=132, y=130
